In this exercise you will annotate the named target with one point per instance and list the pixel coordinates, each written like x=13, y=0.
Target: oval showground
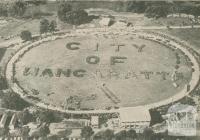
x=91, y=71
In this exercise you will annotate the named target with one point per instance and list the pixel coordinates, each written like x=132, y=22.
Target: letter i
x=97, y=47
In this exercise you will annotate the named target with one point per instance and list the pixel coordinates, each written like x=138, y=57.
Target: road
x=164, y=27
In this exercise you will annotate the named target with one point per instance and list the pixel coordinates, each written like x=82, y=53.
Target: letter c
x=71, y=46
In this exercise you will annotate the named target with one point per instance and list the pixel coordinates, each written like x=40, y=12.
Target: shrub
x=17, y=9
x=77, y=17
x=26, y=35
x=178, y=61
x=46, y=116
x=3, y=10
x=13, y=101
x=52, y=26
x=156, y=11
x=193, y=70
x=44, y=26
x=63, y=8
x=177, y=67
x=26, y=117
x=36, y=14
x=3, y=83
x=87, y=132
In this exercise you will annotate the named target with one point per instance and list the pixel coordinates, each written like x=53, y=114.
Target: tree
x=104, y=135
x=195, y=11
x=26, y=35
x=52, y=26
x=3, y=131
x=63, y=8
x=156, y=117
x=13, y=101
x=3, y=10
x=37, y=2
x=24, y=132
x=18, y=8
x=186, y=8
x=131, y=134
x=136, y=6
x=3, y=81
x=157, y=9
x=44, y=26
x=156, y=12
x=46, y=116
x=77, y=17
x=108, y=134
x=121, y=135
x=87, y=132
x=25, y=117
x=44, y=130
x=148, y=134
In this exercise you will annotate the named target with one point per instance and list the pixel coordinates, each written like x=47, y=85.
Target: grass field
x=190, y=35
x=103, y=84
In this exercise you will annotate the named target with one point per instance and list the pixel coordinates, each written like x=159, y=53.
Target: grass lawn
x=190, y=35
x=15, y=26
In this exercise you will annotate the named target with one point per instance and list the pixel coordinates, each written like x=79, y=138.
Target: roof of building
x=13, y=120
x=32, y=125
x=76, y=133
x=15, y=133
x=105, y=21
x=120, y=24
x=135, y=114
x=181, y=108
x=95, y=120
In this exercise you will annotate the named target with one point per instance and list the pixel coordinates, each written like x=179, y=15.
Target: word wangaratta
x=100, y=73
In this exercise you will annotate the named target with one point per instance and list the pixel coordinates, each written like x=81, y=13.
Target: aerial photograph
x=99, y=70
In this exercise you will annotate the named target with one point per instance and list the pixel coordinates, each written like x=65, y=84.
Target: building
x=81, y=122
x=198, y=124
x=8, y=119
x=137, y=118
x=3, y=120
x=181, y=120
x=113, y=123
x=75, y=135
x=69, y=128
x=105, y=22
x=95, y=121
x=59, y=129
x=13, y=122
x=120, y=24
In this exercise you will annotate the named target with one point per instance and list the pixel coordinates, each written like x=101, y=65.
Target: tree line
x=152, y=9
x=159, y=9
x=17, y=9
x=67, y=13
x=67, y=10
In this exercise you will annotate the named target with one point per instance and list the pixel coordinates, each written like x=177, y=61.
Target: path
x=164, y=27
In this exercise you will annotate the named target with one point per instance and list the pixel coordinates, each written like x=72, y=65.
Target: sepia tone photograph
x=99, y=70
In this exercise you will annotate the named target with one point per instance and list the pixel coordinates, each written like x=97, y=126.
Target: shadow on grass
x=3, y=83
